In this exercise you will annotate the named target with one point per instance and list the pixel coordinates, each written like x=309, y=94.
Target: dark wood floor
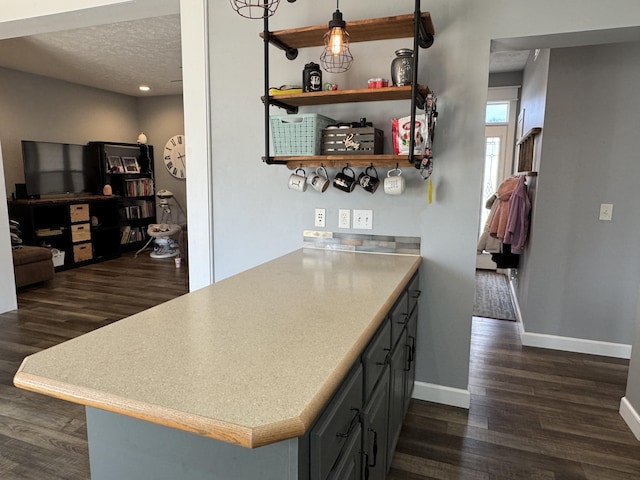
x=535, y=414
x=42, y=438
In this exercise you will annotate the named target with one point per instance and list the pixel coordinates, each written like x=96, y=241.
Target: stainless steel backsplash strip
x=357, y=242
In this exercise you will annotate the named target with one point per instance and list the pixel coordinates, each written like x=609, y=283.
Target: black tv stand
x=85, y=227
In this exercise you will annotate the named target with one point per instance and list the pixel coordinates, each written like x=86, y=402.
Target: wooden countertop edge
x=206, y=427
x=248, y=437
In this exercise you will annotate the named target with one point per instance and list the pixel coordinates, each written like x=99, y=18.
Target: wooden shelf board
x=530, y=134
x=340, y=161
x=347, y=96
x=385, y=28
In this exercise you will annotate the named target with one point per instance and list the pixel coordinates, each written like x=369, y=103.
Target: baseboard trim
x=567, y=344
x=630, y=415
x=454, y=397
x=577, y=345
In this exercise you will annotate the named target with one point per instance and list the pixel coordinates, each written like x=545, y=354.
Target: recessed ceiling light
x=144, y=88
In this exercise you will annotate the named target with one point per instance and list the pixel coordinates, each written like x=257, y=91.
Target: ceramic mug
x=369, y=179
x=319, y=180
x=344, y=181
x=394, y=184
x=298, y=180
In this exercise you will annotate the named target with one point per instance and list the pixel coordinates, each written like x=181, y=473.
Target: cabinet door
x=374, y=359
x=413, y=292
x=336, y=425
x=410, y=358
x=396, y=396
x=374, y=434
x=350, y=465
x=399, y=316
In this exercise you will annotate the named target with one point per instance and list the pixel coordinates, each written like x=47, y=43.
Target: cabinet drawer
x=82, y=252
x=337, y=423
x=79, y=212
x=80, y=232
x=374, y=359
x=399, y=316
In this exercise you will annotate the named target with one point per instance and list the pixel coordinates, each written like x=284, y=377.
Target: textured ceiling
x=508, y=61
x=119, y=57
x=116, y=57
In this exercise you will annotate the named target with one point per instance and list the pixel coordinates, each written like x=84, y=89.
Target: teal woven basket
x=299, y=134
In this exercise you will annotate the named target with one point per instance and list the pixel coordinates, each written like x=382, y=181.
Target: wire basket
x=299, y=134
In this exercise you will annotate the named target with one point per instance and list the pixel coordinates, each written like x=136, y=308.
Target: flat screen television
x=59, y=168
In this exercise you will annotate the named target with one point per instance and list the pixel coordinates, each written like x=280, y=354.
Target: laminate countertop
x=250, y=360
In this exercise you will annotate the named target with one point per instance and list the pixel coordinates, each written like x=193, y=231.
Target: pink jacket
x=498, y=225
x=517, y=229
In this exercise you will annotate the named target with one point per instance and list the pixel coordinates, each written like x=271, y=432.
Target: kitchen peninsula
x=232, y=377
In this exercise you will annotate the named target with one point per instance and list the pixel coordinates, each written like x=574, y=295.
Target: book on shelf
x=130, y=234
x=139, y=187
x=141, y=209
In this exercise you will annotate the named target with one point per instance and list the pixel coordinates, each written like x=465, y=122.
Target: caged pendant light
x=336, y=57
x=255, y=8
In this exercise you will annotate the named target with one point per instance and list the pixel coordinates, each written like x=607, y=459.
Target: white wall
x=44, y=109
x=584, y=272
x=160, y=118
x=533, y=102
x=8, y=299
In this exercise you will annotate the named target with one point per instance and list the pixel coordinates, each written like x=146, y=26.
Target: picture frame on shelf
x=114, y=164
x=131, y=164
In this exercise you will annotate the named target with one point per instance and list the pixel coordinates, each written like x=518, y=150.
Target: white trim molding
x=577, y=345
x=567, y=344
x=630, y=415
x=454, y=397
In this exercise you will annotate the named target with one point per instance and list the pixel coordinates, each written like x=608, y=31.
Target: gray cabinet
x=396, y=397
x=410, y=358
x=340, y=421
x=356, y=435
x=349, y=466
x=375, y=427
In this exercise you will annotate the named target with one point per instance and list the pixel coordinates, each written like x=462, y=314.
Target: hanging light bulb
x=255, y=8
x=336, y=57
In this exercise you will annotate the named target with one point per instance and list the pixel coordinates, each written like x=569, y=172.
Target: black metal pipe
x=414, y=81
x=267, y=128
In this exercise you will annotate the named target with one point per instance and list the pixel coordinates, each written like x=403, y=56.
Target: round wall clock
x=175, y=156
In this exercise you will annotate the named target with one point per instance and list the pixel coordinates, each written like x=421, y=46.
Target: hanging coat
x=517, y=229
x=499, y=220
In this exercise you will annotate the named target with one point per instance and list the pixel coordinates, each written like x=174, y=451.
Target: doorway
x=60, y=25
x=500, y=124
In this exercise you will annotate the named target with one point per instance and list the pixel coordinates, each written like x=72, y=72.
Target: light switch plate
x=606, y=211
x=363, y=219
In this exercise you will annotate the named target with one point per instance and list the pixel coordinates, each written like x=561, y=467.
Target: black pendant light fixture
x=336, y=57
x=255, y=8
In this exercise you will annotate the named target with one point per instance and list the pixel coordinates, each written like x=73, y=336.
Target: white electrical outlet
x=344, y=218
x=363, y=219
x=606, y=211
x=320, y=217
